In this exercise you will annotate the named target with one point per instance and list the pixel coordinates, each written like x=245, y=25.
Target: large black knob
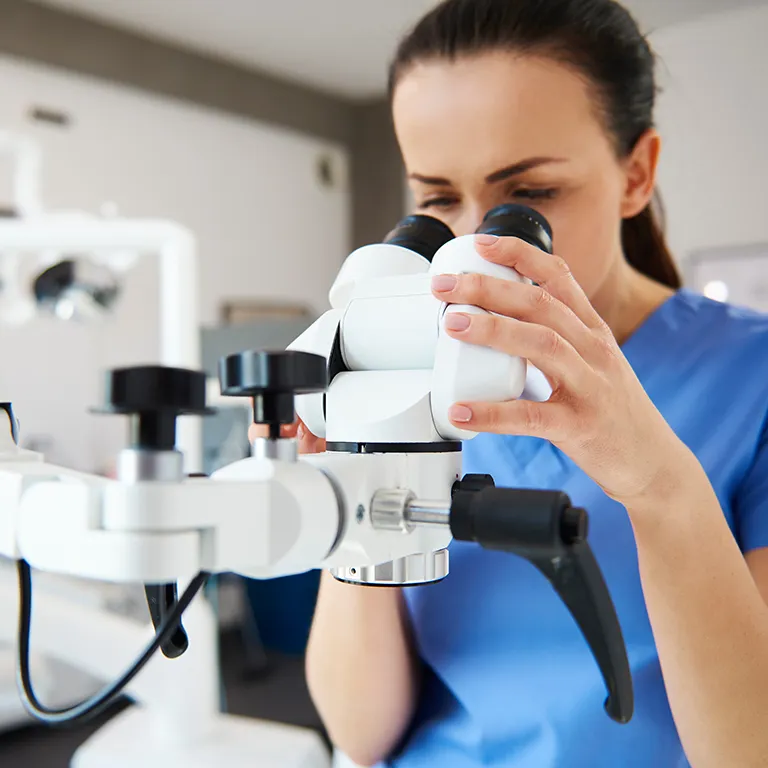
x=272, y=380
x=155, y=396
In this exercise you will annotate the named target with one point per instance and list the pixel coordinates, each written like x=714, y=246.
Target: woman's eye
x=535, y=194
x=437, y=202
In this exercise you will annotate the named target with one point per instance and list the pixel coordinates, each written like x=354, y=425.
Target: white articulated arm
x=258, y=515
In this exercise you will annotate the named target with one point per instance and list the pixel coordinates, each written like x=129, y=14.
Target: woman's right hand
x=308, y=443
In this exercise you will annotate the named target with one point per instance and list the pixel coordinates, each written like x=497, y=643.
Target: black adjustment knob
x=473, y=484
x=272, y=380
x=155, y=396
x=511, y=220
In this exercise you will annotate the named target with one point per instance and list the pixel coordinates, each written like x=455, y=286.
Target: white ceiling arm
x=27, y=160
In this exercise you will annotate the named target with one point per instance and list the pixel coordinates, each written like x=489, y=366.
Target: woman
x=657, y=426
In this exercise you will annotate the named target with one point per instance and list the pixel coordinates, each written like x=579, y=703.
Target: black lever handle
x=546, y=530
x=161, y=600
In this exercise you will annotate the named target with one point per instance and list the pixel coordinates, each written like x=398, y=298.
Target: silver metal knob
x=388, y=510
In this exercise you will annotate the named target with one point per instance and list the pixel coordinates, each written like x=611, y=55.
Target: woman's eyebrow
x=501, y=175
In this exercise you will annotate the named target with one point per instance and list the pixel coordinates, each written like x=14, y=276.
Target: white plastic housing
x=460, y=256
x=381, y=407
x=359, y=476
x=317, y=339
x=257, y=517
x=370, y=262
x=465, y=372
x=469, y=373
x=304, y=519
x=392, y=332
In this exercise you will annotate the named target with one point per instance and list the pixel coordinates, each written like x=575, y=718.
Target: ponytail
x=645, y=246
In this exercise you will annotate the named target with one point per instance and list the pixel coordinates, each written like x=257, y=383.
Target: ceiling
x=339, y=46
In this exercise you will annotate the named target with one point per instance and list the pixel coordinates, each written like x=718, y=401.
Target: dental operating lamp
x=374, y=376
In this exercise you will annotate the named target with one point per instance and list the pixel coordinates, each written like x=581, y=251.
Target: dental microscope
x=375, y=377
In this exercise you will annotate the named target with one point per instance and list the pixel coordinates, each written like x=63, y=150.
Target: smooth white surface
x=258, y=517
x=459, y=256
x=237, y=184
x=467, y=373
x=233, y=742
x=304, y=519
x=713, y=117
x=391, y=332
x=318, y=339
x=377, y=260
x=381, y=407
x=338, y=45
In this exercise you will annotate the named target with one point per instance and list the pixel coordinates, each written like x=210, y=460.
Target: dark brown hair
x=601, y=40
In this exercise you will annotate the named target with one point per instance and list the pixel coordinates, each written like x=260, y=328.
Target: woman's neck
x=626, y=299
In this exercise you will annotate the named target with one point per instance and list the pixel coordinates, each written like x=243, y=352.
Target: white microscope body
x=379, y=507
x=395, y=373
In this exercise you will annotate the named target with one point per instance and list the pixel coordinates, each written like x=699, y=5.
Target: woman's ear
x=640, y=169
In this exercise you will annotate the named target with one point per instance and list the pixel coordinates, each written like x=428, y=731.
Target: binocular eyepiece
x=426, y=235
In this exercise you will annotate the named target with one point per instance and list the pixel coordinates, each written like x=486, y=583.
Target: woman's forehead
x=494, y=110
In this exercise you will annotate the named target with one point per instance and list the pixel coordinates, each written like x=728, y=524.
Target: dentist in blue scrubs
x=658, y=425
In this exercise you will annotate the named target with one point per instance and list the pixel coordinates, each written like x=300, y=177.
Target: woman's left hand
x=599, y=413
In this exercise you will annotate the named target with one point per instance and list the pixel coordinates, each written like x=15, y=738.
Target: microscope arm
x=259, y=517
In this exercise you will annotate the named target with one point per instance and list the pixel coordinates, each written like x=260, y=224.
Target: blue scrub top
x=509, y=680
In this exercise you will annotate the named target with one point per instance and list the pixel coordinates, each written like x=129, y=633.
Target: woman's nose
x=469, y=221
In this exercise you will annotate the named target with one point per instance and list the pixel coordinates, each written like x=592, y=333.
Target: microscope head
x=393, y=372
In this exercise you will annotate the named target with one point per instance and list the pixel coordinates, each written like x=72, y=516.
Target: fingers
x=545, y=348
x=519, y=300
x=550, y=272
x=548, y=421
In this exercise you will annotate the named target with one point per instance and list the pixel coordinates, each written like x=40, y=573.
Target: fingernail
x=444, y=283
x=300, y=432
x=455, y=321
x=460, y=413
x=485, y=239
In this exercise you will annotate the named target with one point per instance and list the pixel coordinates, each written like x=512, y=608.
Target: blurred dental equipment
x=69, y=264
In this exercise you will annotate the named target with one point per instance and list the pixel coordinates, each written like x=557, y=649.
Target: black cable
x=99, y=702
